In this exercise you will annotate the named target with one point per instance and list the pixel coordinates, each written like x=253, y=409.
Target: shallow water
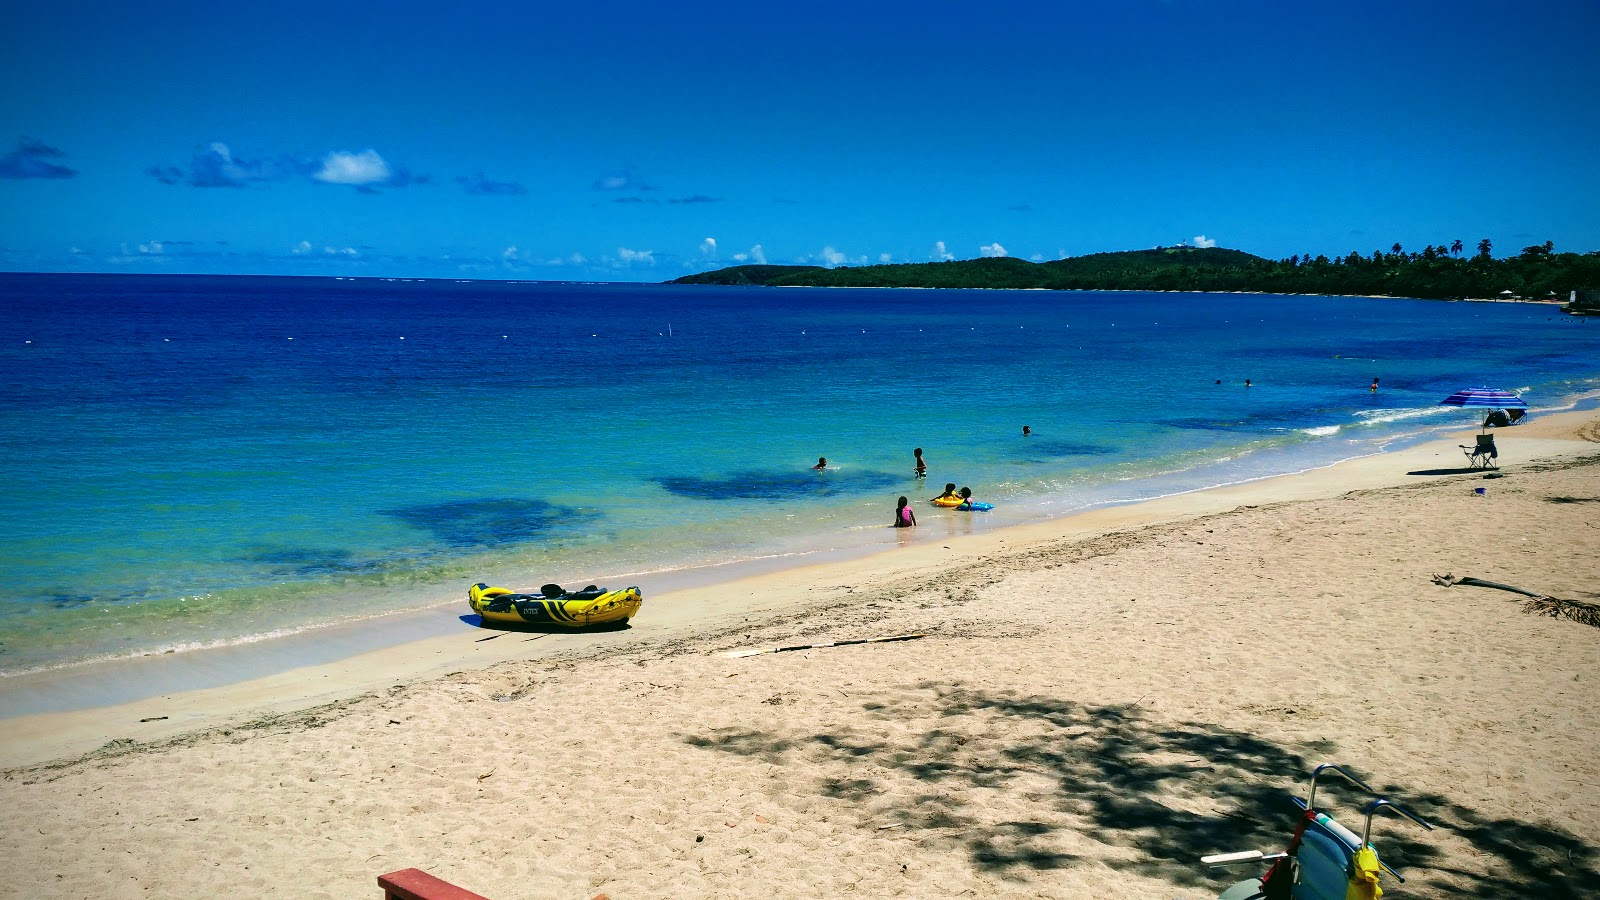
x=198, y=460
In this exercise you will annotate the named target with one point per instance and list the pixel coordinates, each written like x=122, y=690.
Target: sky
x=643, y=141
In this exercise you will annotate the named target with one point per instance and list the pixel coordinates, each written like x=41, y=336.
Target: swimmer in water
x=949, y=491
x=1247, y=382
x=1026, y=431
x=1374, y=385
x=822, y=463
x=922, y=466
x=966, y=498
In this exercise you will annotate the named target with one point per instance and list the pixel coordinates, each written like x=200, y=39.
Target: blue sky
x=637, y=142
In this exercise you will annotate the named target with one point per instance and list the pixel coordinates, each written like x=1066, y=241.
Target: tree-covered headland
x=1437, y=272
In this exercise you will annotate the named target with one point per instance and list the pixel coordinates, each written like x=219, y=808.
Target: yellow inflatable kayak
x=555, y=606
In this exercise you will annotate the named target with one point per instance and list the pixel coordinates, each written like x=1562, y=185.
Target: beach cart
x=1324, y=859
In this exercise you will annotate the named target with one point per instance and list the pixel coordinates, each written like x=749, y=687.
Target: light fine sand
x=1098, y=702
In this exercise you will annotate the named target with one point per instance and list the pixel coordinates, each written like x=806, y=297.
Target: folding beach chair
x=1483, y=455
x=1324, y=860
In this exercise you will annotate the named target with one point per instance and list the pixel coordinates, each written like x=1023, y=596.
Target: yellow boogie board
x=554, y=606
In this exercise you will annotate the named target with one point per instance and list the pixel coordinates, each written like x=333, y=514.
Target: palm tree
x=1455, y=248
x=1484, y=247
x=1395, y=249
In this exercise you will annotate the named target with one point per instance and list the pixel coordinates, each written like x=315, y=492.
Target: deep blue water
x=189, y=460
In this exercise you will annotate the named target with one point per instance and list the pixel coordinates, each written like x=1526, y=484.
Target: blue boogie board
x=975, y=507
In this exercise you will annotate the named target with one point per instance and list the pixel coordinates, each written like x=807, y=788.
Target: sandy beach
x=1097, y=701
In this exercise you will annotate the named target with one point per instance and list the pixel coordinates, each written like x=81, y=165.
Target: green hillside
x=1537, y=271
x=995, y=272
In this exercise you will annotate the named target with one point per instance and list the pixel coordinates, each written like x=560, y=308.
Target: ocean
x=198, y=461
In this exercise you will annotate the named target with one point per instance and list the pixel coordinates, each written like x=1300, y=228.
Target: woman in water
x=903, y=516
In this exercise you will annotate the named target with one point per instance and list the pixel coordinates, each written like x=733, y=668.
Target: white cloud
x=366, y=167
x=993, y=249
x=833, y=257
x=1037, y=257
x=709, y=247
x=75, y=250
x=940, y=253
x=629, y=257
x=758, y=255
x=509, y=254
x=341, y=251
x=300, y=248
x=884, y=258
x=1201, y=240
x=740, y=257
x=577, y=259
x=143, y=253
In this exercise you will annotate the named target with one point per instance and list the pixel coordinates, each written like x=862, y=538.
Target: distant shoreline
x=915, y=287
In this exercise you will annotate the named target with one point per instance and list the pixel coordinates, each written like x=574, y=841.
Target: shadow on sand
x=1168, y=792
x=478, y=621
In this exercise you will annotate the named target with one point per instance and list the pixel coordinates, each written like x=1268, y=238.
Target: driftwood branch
x=1540, y=604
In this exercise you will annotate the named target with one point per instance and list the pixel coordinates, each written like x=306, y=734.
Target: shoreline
x=1090, y=706
x=699, y=612
x=136, y=675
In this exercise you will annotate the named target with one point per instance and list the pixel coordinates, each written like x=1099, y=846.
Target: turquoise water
x=190, y=461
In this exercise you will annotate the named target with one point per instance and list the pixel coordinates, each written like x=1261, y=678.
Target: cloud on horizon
x=478, y=184
x=625, y=180
x=639, y=257
x=34, y=159
x=755, y=255
x=365, y=171
x=992, y=250
x=1201, y=240
x=940, y=254
x=215, y=165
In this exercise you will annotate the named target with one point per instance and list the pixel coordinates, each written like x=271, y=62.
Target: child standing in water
x=922, y=467
x=903, y=516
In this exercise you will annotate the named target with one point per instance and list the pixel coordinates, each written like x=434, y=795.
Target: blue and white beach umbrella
x=1489, y=398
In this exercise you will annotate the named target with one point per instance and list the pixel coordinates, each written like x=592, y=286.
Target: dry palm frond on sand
x=1542, y=604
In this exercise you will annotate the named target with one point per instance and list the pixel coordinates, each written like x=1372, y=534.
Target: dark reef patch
x=755, y=484
x=491, y=521
x=1039, y=450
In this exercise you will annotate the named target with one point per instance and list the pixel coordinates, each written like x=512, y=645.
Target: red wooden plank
x=415, y=884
